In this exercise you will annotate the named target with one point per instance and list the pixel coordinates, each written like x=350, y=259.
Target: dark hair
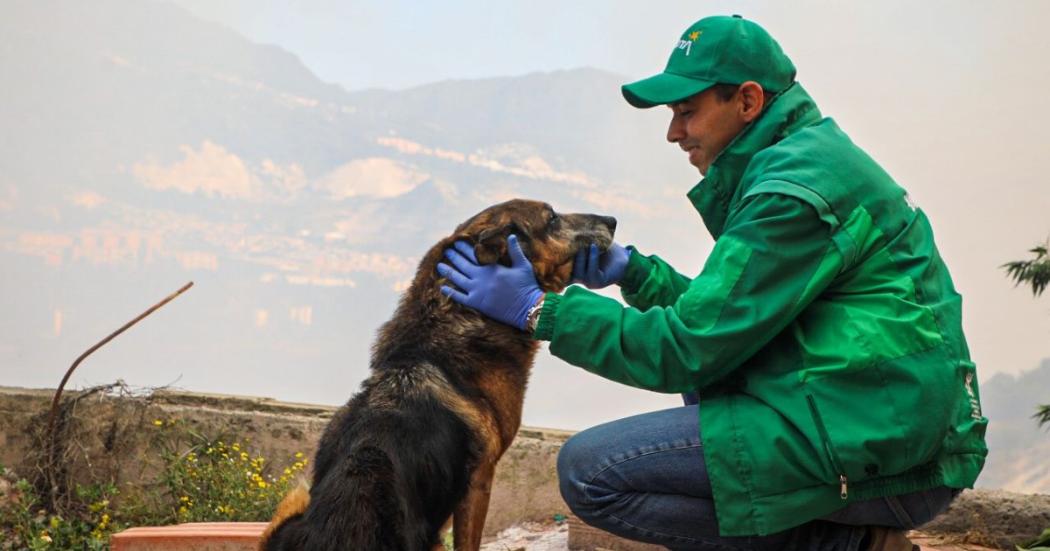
x=724, y=92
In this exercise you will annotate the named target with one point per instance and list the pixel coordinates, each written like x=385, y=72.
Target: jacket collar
x=788, y=112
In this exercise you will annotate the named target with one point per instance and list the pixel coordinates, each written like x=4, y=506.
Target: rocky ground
x=531, y=537
x=555, y=537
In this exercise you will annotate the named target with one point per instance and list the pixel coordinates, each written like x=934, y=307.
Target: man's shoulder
x=818, y=156
x=813, y=144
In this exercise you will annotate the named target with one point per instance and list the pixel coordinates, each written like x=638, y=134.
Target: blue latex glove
x=597, y=270
x=502, y=293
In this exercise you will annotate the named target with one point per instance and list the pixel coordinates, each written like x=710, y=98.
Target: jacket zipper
x=828, y=448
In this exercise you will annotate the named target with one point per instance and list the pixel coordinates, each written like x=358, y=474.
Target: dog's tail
x=286, y=528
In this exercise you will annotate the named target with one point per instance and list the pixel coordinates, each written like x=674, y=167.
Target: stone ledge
x=196, y=536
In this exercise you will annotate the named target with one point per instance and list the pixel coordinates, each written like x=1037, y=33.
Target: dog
x=418, y=444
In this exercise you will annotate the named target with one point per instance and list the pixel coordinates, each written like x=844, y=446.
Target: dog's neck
x=439, y=324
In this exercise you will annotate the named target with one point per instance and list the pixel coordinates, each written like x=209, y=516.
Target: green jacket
x=823, y=334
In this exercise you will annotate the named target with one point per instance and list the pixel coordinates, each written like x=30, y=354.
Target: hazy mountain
x=142, y=147
x=1017, y=447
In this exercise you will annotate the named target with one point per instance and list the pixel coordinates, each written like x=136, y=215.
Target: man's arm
x=650, y=281
x=775, y=257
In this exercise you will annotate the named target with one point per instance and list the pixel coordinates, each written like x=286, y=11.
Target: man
x=837, y=406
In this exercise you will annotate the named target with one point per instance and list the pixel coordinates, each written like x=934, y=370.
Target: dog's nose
x=609, y=221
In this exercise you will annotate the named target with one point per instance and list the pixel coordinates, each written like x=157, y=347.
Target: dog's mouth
x=602, y=238
x=603, y=242
x=597, y=230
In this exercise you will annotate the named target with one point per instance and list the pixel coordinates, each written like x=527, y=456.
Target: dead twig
x=53, y=415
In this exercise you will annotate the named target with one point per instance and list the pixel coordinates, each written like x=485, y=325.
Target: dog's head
x=549, y=239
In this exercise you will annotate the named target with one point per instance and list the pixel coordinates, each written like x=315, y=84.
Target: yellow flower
x=45, y=537
x=287, y=471
x=55, y=522
x=298, y=455
x=158, y=422
x=262, y=484
x=98, y=505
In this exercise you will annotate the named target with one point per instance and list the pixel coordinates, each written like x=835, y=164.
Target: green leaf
x=1038, y=544
x=1034, y=272
x=1043, y=415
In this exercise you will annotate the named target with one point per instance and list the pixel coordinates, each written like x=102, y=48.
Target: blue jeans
x=644, y=478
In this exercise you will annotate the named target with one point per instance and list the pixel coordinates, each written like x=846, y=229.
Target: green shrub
x=211, y=480
x=202, y=479
x=24, y=525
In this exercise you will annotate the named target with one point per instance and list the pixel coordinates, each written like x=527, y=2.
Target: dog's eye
x=553, y=219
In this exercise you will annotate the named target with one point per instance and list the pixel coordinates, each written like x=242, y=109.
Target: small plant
x=212, y=480
x=201, y=479
x=1034, y=272
x=24, y=524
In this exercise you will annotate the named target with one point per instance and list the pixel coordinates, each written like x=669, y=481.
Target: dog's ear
x=491, y=244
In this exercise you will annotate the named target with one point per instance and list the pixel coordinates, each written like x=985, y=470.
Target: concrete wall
x=114, y=435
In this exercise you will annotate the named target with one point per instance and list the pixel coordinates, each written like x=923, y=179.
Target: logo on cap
x=687, y=45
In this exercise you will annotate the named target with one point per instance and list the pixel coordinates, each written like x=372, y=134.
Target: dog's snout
x=609, y=221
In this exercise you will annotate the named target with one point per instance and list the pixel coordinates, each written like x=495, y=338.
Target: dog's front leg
x=469, y=518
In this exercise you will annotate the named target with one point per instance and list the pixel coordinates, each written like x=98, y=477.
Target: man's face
x=703, y=126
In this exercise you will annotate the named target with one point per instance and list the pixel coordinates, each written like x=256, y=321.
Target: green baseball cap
x=720, y=49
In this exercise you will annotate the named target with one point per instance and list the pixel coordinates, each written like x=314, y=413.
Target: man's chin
x=700, y=165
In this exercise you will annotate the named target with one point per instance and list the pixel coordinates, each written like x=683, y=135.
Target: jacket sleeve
x=650, y=281
x=774, y=258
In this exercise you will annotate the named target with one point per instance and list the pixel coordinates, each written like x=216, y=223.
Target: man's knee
x=577, y=460
x=567, y=475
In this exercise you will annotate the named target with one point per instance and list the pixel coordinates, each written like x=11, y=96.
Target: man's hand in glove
x=502, y=293
x=597, y=270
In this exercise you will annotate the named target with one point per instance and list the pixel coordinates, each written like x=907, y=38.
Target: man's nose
x=675, y=132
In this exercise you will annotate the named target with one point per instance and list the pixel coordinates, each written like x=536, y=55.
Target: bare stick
x=52, y=417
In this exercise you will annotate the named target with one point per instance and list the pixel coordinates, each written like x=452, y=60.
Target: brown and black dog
x=419, y=443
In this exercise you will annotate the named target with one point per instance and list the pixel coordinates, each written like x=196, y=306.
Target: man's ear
x=491, y=245
x=752, y=100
